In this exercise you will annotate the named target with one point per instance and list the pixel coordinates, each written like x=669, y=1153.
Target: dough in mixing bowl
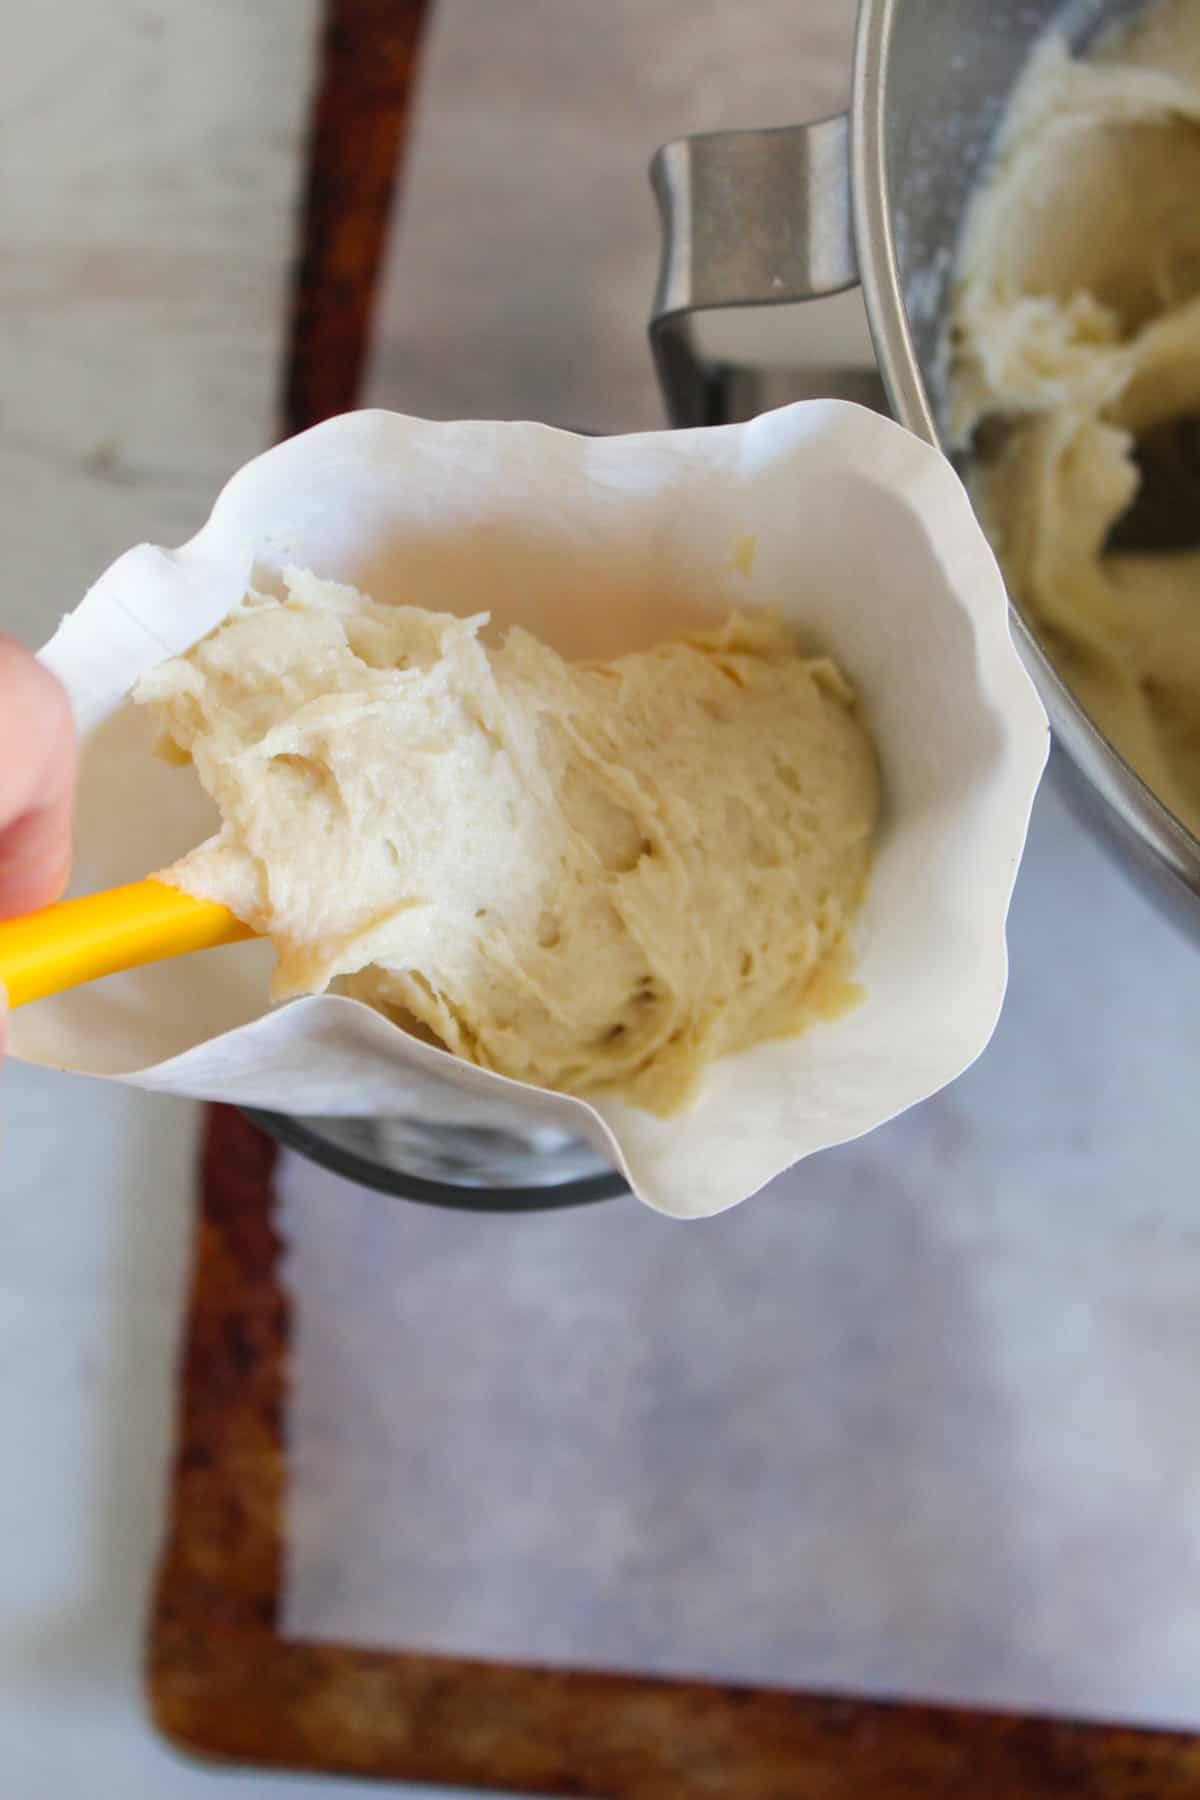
x=1075, y=333
x=589, y=876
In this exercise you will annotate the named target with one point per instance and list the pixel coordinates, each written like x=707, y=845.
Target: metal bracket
x=749, y=218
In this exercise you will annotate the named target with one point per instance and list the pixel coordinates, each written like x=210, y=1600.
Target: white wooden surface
x=148, y=161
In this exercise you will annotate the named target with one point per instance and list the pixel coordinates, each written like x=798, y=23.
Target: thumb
x=37, y=782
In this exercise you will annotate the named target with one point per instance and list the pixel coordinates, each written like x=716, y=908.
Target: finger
x=37, y=782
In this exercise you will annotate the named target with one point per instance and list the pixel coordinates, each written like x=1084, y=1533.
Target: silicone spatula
x=79, y=940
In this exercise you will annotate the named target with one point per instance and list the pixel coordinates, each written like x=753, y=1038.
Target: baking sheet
x=922, y=1421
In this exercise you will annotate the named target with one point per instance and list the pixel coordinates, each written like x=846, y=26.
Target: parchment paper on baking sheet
x=922, y=1421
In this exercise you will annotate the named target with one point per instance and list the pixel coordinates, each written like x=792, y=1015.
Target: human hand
x=37, y=786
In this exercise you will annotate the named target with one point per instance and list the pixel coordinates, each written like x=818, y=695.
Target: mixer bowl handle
x=749, y=218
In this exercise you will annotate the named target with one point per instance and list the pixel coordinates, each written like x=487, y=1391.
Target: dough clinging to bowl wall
x=1076, y=332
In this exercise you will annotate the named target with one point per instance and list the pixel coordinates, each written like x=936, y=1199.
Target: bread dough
x=590, y=876
x=1076, y=331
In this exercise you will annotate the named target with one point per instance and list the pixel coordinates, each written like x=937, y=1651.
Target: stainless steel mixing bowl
x=877, y=196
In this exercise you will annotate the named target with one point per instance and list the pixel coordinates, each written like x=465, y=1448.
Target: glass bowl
x=470, y=1168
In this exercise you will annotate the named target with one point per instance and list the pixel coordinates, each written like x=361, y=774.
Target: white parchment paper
x=920, y=1422
x=856, y=531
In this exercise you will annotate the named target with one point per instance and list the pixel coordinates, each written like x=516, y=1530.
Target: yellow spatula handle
x=80, y=940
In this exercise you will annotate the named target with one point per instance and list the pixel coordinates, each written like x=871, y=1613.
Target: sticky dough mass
x=589, y=876
x=1076, y=331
